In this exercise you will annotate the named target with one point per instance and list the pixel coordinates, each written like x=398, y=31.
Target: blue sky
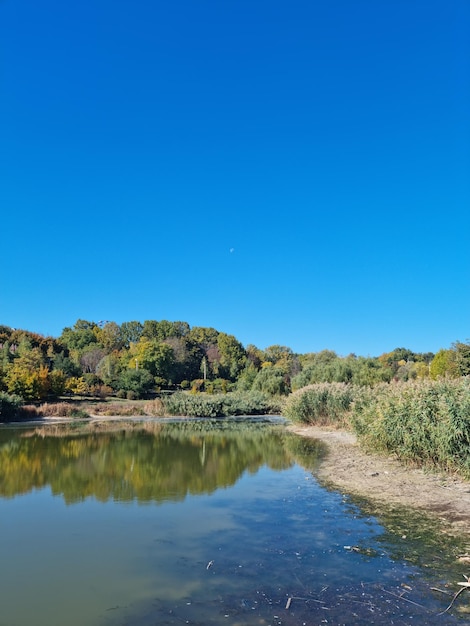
x=292, y=173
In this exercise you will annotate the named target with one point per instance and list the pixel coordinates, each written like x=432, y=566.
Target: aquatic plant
x=219, y=405
x=425, y=422
x=320, y=403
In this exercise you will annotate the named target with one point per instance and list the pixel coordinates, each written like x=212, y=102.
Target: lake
x=201, y=522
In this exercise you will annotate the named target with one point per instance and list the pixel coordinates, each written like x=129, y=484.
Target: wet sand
x=385, y=479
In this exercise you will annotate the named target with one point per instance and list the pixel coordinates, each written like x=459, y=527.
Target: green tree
x=271, y=380
x=232, y=356
x=28, y=376
x=66, y=365
x=140, y=382
x=110, y=336
x=81, y=335
x=57, y=382
x=152, y=355
x=164, y=329
x=187, y=357
x=370, y=371
x=109, y=368
x=277, y=353
x=131, y=332
x=204, y=336
x=254, y=355
x=444, y=364
x=247, y=377
x=462, y=357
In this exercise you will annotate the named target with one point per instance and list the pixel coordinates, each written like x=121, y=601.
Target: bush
x=252, y=403
x=321, y=403
x=9, y=405
x=219, y=405
x=139, y=382
x=271, y=380
x=193, y=405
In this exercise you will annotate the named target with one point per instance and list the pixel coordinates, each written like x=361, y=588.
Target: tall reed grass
x=320, y=403
x=424, y=422
x=220, y=405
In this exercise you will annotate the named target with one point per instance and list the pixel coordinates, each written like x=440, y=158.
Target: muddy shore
x=385, y=479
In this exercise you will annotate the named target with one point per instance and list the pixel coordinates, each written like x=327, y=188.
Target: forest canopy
x=136, y=360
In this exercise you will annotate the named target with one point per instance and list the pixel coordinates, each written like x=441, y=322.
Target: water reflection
x=198, y=523
x=143, y=463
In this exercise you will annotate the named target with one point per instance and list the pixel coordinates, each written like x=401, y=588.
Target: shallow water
x=202, y=523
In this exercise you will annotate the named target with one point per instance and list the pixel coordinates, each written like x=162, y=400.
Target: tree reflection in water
x=142, y=462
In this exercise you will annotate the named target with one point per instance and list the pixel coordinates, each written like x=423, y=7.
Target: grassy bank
x=177, y=404
x=425, y=423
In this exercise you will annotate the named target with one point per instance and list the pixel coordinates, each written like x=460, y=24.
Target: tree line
x=136, y=360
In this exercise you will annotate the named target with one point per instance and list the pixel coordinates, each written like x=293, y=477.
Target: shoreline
x=348, y=468
x=385, y=479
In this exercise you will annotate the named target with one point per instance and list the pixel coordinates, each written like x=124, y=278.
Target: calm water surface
x=197, y=523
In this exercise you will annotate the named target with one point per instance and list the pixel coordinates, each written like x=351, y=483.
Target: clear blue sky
x=290, y=172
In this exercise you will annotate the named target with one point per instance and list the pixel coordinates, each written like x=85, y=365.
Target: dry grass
x=51, y=409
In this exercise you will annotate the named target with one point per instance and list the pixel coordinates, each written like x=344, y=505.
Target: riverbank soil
x=385, y=479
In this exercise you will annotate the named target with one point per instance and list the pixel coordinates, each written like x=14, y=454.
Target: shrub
x=321, y=403
x=139, y=382
x=193, y=405
x=271, y=380
x=247, y=403
x=219, y=405
x=9, y=405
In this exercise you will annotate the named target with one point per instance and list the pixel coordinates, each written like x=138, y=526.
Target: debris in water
x=465, y=585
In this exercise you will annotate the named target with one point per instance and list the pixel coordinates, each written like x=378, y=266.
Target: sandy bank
x=385, y=479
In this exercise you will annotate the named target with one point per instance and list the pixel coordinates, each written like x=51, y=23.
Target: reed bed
x=424, y=422
x=52, y=409
x=320, y=403
x=221, y=405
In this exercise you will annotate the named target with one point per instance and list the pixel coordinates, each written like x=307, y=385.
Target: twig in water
x=447, y=593
x=308, y=599
x=405, y=599
x=464, y=586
